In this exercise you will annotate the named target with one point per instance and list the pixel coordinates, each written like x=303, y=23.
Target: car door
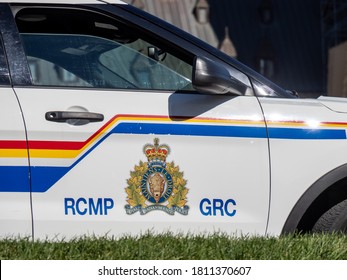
x=15, y=210
x=120, y=141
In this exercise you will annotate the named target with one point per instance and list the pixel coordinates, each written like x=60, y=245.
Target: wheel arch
x=326, y=192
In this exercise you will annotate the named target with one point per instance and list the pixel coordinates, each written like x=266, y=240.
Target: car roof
x=64, y=1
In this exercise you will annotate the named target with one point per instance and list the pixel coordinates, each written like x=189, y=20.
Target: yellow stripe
x=13, y=153
x=40, y=153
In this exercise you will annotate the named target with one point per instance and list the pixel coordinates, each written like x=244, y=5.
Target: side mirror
x=214, y=78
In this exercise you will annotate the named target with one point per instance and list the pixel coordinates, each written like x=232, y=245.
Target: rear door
x=15, y=210
x=119, y=140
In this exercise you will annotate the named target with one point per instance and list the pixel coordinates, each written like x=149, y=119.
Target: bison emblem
x=156, y=186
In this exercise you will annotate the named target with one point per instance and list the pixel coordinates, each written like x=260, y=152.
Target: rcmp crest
x=156, y=184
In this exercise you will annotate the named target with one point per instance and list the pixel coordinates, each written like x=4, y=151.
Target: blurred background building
x=299, y=44
x=334, y=37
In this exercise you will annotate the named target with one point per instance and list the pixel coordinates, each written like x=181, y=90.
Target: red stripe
x=13, y=144
x=55, y=145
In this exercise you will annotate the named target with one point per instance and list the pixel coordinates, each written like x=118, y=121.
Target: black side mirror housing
x=214, y=78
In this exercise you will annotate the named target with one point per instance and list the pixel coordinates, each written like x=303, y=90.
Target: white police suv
x=115, y=122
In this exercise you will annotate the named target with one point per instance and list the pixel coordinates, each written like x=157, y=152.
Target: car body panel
x=199, y=143
x=314, y=137
x=336, y=104
x=15, y=208
x=144, y=155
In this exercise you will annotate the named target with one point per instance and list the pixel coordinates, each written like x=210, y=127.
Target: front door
x=119, y=140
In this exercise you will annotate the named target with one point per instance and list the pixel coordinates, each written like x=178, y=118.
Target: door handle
x=64, y=116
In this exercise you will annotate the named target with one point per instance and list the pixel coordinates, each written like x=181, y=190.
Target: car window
x=44, y=72
x=97, y=54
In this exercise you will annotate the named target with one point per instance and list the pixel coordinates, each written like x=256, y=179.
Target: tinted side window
x=91, y=50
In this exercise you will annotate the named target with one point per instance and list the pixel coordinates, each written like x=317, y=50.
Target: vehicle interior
x=87, y=49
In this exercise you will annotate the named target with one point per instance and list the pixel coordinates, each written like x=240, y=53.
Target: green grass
x=169, y=247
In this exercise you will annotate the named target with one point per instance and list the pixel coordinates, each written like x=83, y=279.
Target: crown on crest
x=156, y=154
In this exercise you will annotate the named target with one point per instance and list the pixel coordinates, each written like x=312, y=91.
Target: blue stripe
x=304, y=133
x=44, y=177
x=190, y=130
x=16, y=178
